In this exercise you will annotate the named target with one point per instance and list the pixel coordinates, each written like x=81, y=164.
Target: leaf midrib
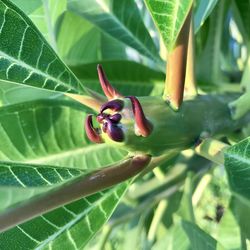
x=34, y=70
x=238, y=158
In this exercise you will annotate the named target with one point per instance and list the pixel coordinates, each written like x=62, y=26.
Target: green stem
x=159, y=212
x=190, y=194
x=212, y=150
x=175, y=131
x=241, y=106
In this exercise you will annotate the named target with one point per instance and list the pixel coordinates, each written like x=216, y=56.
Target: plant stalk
x=176, y=67
x=78, y=188
x=175, y=131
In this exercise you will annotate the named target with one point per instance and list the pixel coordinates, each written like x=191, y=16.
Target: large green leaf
x=44, y=14
x=25, y=56
x=237, y=164
x=211, y=53
x=79, y=41
x=120, y=19
x=68, y=227
x=35, y=134
x=169, y=16
x=32, y=132
x=19, y=182
x=14, y=93
x=51, y=132
x=128, y=77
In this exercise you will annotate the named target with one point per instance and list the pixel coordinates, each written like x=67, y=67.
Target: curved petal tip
x=91, y=132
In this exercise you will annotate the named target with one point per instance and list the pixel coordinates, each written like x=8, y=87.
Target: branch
x=78, y=188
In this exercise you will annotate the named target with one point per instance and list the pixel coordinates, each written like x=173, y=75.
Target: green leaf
x=51, y=132
x=203, y=10
x=22, y=175
x=79, y=41
x=19, y=182
x=25, y=56
x=121, y=20
x=14, y=93
x=43, y=123
x=68, y=227
x=198, y=238
x=169, y=16
x=32, y=132
x=211, y=52
x=237, y=163
x=44, y=14
x=128, y=77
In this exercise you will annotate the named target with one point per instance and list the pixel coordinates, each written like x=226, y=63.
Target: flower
x=113, y=111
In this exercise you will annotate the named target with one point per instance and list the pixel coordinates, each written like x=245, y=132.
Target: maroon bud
x=142, y=123
x=91, y=132
x=115, y=118
x=101, y=117
x=114, y=132
x=114, y=105
x=107, y=88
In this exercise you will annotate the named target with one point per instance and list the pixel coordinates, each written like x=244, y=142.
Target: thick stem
x=207, y=115
x=176, y=67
